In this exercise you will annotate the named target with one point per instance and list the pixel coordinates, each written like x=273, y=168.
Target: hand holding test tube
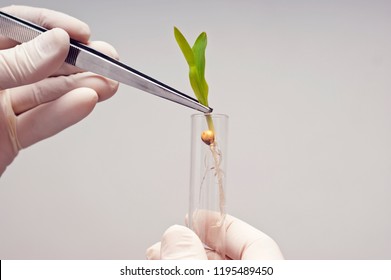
x=243, y=242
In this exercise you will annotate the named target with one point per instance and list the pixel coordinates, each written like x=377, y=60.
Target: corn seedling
x=195, y=57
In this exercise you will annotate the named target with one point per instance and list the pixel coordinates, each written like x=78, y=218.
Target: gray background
x=307, y=87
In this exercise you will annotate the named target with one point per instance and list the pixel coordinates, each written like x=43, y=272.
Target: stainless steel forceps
x=94, y=61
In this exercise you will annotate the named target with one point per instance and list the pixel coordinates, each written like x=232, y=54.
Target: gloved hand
x=242, y=242
x=39, y=94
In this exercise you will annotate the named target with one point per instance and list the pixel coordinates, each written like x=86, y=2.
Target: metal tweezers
x=94, y=61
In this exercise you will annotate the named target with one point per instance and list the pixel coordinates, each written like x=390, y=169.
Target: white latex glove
x=243, y=242
x=39, y=94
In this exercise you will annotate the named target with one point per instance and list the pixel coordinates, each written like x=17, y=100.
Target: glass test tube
x=208, y=180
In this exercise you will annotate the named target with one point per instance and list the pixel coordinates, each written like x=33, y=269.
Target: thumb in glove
x=177, y=243
x=35, y=60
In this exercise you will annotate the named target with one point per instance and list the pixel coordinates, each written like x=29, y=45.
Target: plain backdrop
x=307, y=87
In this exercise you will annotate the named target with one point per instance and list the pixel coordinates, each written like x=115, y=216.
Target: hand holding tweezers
x=94, y=61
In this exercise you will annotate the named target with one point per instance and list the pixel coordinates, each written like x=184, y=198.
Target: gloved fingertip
x=179, y=242
x=105, y=48
x=153, y=252
x=111, y=89
x=263, y=248
x=175, y=229
x=84, y=32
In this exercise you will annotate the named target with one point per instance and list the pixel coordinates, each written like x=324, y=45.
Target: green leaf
x=195, y=57
x=199, y=57
x=184, y=46
x=199, y=53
